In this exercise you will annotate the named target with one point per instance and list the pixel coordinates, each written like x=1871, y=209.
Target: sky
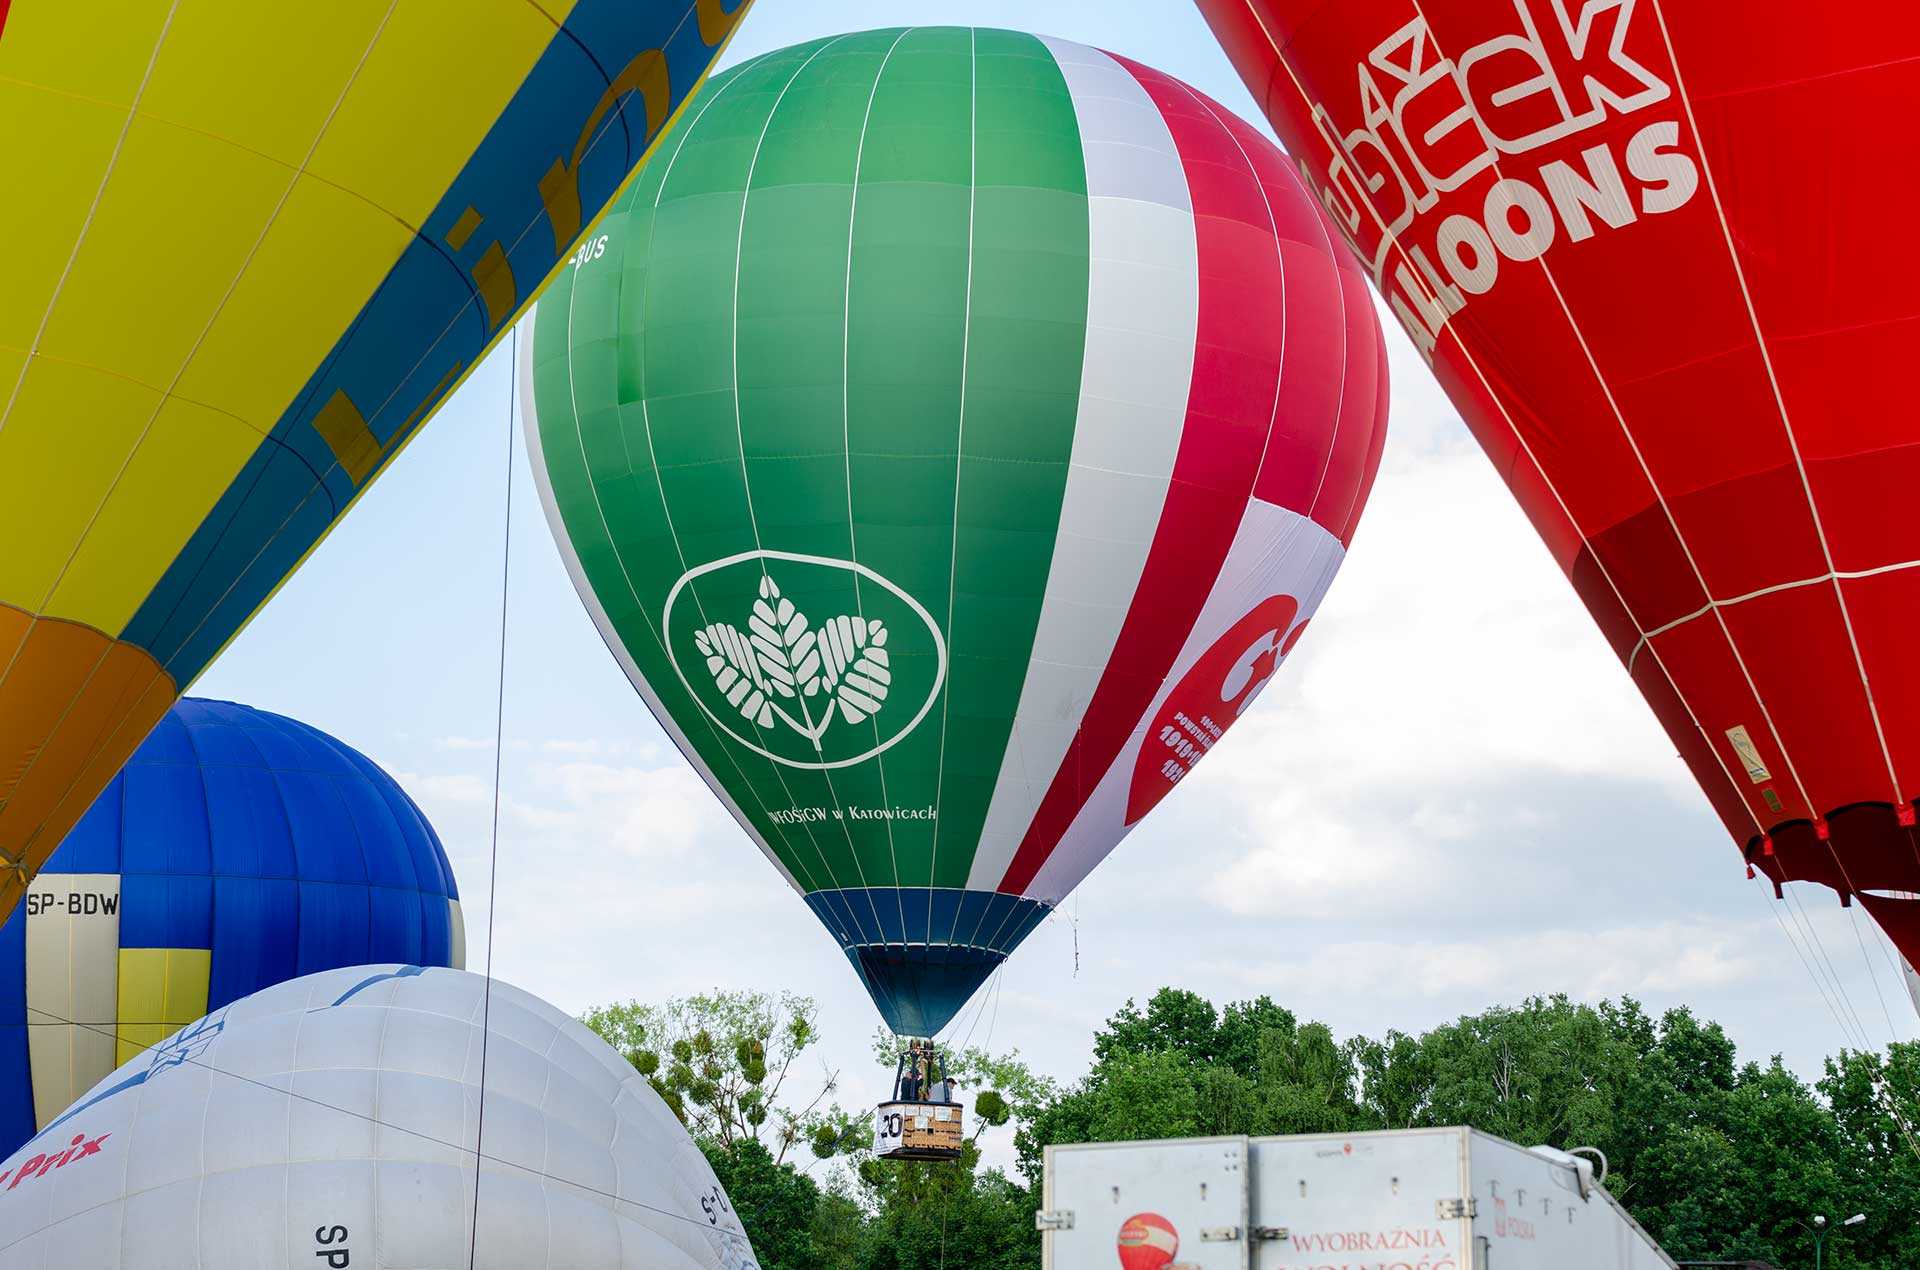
x=1452, y=797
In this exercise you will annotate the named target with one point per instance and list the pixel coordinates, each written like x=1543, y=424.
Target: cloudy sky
x=1453, y=797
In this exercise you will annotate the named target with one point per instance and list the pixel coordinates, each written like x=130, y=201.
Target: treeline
x=1719, y=1159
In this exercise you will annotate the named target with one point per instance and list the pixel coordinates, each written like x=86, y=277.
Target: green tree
x=1876, y=1103
x=722, y=1062
x=778, y=1205
x=1180, y=1068
x=932, y=1215
x=1176, y=1022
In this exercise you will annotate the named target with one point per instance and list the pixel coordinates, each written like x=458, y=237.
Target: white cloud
x=1669, y=958
x=446, y=790
x=643, y=812
x=1301, y=845
x=580, y=749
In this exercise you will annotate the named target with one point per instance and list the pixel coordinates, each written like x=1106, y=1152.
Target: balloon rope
x=493, y=847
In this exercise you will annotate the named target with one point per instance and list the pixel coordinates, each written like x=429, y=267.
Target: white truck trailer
x=1413, y=1199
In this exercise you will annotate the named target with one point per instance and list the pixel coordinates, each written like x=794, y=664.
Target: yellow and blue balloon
x=250, y=249
x=236, y=850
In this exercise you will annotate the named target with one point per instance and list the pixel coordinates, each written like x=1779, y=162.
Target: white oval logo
x=816, y=690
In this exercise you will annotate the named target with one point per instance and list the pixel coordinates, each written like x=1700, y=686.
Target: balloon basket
x=918, y=1130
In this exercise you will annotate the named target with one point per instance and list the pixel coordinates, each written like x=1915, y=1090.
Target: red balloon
x=1147, y=1241
x=1656, y=253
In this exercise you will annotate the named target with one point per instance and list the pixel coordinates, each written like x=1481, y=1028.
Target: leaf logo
x=804, y=694
x=842, y=667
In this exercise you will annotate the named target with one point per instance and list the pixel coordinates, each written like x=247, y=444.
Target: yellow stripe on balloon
x=175, y=224
x=400, y=148
x=64, y=142
x=66, y=47
x=327, y=247
x=161, y=991
x=188, y=457
x=54, y=474
x=222, y=61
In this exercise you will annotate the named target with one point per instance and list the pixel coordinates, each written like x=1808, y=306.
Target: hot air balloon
x=332, y=1121
x=250, y=249
x=950, y=431
x=237, y=849
x=1635, y=242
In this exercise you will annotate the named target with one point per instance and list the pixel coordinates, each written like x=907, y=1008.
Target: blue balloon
x=237, y=849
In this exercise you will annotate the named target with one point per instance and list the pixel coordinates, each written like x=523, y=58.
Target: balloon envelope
x=331, y=1122
x=950, y=431
x=236, y=849
x=253, y=247
x=1639, y=246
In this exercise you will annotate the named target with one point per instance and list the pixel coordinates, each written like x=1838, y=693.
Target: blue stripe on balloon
x=373, y=822
x=159, y=910
x=920, y=952
x=93, y=845
x=887, y=915
x=291, y=489
x=256, y=936
x=395, y=931
x=16, y=1073
x=430, y=869
x=436, y=931
x=247, y=821
x=404, y=972
x=323, y=839
x=334, y=926
x=164, y=821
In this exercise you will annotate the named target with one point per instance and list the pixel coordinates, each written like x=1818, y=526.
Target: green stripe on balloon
x=698, y=264
x=853, y=291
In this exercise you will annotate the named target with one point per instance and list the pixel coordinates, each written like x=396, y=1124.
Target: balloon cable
x=1873, y=976
x=493, y=846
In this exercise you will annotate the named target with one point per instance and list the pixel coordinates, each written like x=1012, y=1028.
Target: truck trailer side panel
x=1125, y=1202
x=1529, y=1211
x=1362, y=1199
x=1413, y=1199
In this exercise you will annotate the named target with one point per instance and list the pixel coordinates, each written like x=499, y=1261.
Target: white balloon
x=330, y=1122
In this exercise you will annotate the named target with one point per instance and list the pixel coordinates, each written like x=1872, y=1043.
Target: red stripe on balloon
x=1230, y=409
x=3, y=15
x=1328, y=431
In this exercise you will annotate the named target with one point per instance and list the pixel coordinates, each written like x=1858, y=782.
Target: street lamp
x=1820, y=1234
